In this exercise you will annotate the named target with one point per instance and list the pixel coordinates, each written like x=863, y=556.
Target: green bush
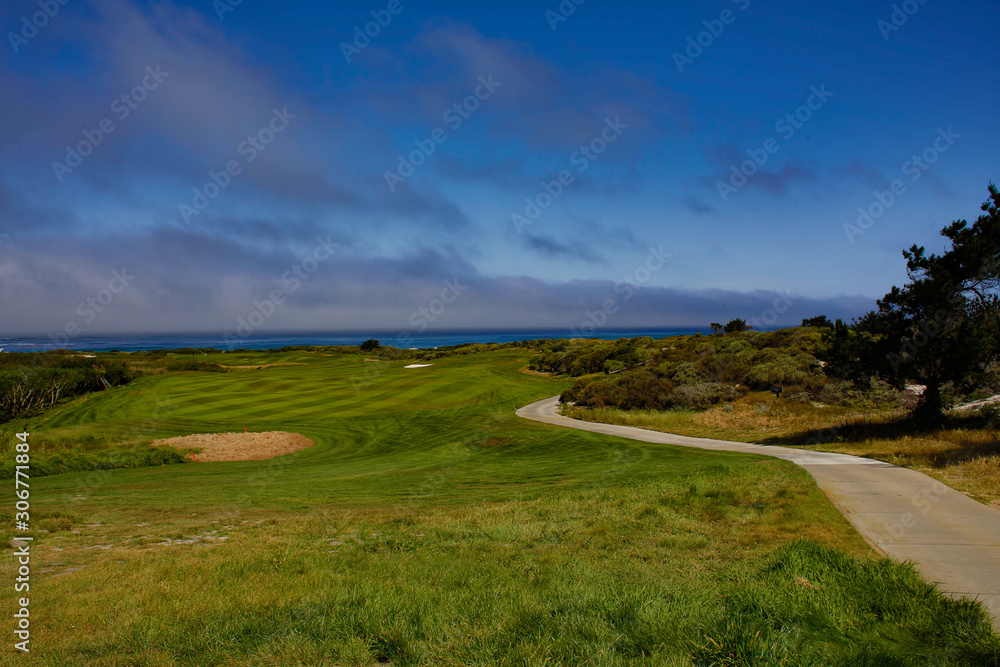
x=688, y=373
x=698, y=396
x=107, y=458
x=700, y=372
x=784, y=371
x=613, y=366
x=641, y=390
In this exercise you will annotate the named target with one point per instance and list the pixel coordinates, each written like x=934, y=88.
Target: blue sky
x=833, y=104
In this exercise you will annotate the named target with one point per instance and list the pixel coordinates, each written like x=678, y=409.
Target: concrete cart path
x=953, y=540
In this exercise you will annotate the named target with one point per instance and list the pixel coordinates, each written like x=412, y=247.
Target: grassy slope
x=963, y=454
x=429, y=525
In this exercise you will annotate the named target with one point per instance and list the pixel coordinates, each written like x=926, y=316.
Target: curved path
x=953, y=540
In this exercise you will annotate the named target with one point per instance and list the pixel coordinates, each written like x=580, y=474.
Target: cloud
x=698, y=205
x=862, y=171
x=190, y=280
x=547, y=246
x=776, y=182
x=724, y=156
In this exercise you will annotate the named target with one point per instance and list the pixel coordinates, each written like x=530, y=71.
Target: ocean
x=136, y=342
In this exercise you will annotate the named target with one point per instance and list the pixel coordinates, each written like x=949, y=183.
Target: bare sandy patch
x=238, y=446
x=418, y=366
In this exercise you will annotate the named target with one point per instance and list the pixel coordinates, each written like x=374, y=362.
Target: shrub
x=698, y=396
x=834, y=393
x=613, y=366
x=783, y=371
x=878, y=394
x=991, y=413
x=688, y=373
x=637, y=389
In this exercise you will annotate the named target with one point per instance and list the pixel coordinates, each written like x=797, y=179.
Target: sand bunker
x=418, y=365
x=238, y=446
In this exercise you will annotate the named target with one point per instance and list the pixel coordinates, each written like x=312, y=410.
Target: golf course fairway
x=429, y=525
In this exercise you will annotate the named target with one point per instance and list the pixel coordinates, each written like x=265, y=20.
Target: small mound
x=238, y=446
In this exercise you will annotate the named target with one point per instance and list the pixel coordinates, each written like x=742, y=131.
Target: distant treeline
x=30, y=383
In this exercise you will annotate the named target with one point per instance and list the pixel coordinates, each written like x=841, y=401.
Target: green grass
x=430, y=526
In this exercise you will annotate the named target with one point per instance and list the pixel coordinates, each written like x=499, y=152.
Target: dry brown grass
x=963, y=453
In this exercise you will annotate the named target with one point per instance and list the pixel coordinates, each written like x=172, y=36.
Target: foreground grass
x=430, y=526
x=964, y=452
